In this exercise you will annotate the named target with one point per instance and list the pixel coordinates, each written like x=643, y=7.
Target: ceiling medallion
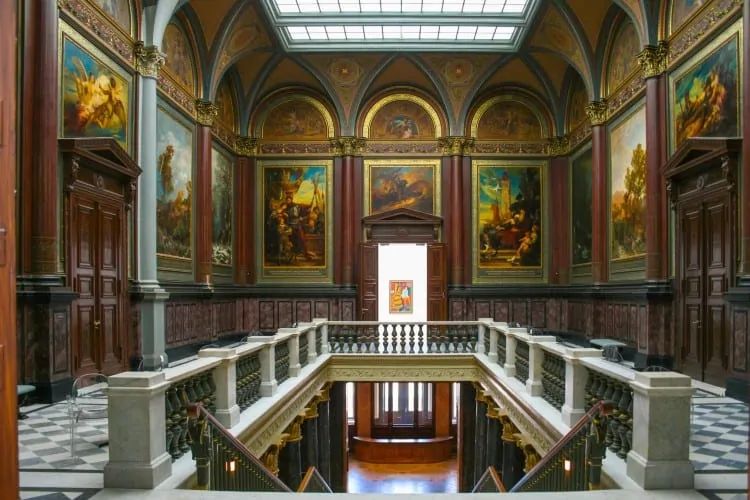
x=458, y=71
x=344, y=71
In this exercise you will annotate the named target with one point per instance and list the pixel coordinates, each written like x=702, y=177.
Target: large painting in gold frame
x=294, y=201
x=392, y=184
x=509, y=207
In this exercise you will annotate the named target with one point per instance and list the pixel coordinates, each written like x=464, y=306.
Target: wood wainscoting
x=403, y=450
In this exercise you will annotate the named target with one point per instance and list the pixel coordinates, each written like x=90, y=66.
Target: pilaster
x=206, y=112
x=310, y=437
x=559, y=175
x=466, y=437
x=744, y=204
x=246, y=148
x=480, y=435
x=290, y=458
x=597, y=114
x=348, y=233
x=324, y=433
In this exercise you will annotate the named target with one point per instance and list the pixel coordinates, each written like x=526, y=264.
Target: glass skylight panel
x=396, y=33
x=401, y=6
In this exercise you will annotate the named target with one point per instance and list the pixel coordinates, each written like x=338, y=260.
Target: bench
x=23, y=391
x=612, y=348
x=403, y=450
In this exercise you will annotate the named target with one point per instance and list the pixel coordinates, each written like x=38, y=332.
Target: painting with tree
x=222, y=198
x=580, y=196
x=628, y=186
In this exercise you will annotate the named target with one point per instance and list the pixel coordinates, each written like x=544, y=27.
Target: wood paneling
x=368, y=282
x=403, y=451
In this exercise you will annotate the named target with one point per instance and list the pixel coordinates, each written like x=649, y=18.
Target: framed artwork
x=401, y=297
x=179, y=57
x=508, y=218
x=683, y=10
x=96, y=94
x=297, y=236
x=393, y=184
x=705, y=91
x=174, y=185
x=627, y=189
x=297, y=119
x=222, y=199
x=508, y=120
x=623, y=59
x=118, y=11
x=402, y=117
x=580, y=207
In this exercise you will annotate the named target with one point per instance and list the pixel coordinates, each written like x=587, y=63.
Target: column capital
x=325, y=393
x=294, y=431
x=455, y=145
x=348, y=146
x=148, y=60
x=558, y=146
x=246, y=146
x=653, y=59
x=597, y=112
x=206, y=112
x=509, y=430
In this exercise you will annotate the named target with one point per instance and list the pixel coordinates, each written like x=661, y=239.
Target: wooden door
x=97, y=262
x=692, y=243
x=368, y=282
x=8, y=397
x=437, y=282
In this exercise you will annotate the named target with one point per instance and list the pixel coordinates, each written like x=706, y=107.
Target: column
x=206, y=112
x=310, y=437
x=494, y=445
x=559, y=176
x=455, y=148
x=348, y=232
x=290, y=457
x=480, y=436
x=653, y=61
x=513, y=458
x=466, y=437
x=337, y=416
x=324, y=434
x=744, y=269
x=244, y=249
x=150, y=296
x=597, y=113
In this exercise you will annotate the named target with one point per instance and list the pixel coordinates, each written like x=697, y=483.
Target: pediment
x=696, y=154
x=102, y=154
x=403, y=216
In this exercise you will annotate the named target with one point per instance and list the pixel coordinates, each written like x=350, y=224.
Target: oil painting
x=682, y=10
x=580, y=207
x=179, y=61
x=295, y=120
x=297, y=213
x=225, y=103
x=400, y=295
x=402, y=120
x=95, y=97
x=627, y=161
x=406, y=184
x=118, y=11
x=509, y=121
x=174, y=185
x=222, y=200
x=508, y=222
x=577, y=102
x=623, y=60
x=706, y=95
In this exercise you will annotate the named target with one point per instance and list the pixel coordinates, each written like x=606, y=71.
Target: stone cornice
x=456, y=146
x=148, y=60
x=205, y=112
x=654, y=59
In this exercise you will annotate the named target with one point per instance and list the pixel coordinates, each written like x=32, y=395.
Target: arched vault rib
x=252, y=94
x=555, y=103
x=473, y=91
x=645, y=16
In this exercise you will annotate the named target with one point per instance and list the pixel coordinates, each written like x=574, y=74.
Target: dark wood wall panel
x=739, y=350
x=304, y=311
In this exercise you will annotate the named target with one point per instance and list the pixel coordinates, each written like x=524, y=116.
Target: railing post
x=536, y=359
x=138, y=457
x=312, y=354
x=268, y=384
x=293, y=344
x=481, y=332
x=660, y=454
x=510, y=356
x=576, y=377
x=492, y=355
x=321, y=323
x=225, y=378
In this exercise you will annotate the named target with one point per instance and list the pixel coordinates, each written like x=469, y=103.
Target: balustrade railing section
x=281, y=355
x=248, y=380
x=619, y=436
x=553, y=379
x=501, y=350
x=303, y=350
x=402, y=338
x=522, y=361
x=199, y=388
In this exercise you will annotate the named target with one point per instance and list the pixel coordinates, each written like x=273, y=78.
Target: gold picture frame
x=388, y=185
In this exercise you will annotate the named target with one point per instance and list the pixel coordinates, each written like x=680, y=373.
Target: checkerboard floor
x=719, y=437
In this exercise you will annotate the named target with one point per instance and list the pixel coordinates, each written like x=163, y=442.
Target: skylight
x=362, y=25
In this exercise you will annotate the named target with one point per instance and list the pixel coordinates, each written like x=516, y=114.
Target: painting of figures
x=509, y=216
x=393, y=186
x=682, y=10
x=295, y=120
x=509, y=121
x=296, y=211
x=222, y=199
x=118, y=11
x=400, y=294
x=402, y=120
x=577, y=102
x=627, y=159
x=179, y=62
x=623, y=60
x=580, y=209
x=174, y=186
x=706, y=96
x=225, y=105
x=95, y=98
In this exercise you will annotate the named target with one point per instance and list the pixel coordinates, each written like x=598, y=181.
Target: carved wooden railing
x=313, y=482
x=490, y=482
x=402, y=338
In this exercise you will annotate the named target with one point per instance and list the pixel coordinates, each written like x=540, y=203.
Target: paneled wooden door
x=97, y=255
x=437, y=282
x=706, y=253
x=368, y=282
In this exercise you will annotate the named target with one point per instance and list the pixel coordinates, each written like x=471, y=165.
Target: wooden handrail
x=604, y=407
x=312, y=473
x=196, y=410
x=494, y=476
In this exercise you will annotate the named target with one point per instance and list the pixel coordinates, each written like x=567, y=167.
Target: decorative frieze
x=348, y=146
x=148, y=60
x=634, y=88
x=87, y=17
x=686, y=39
x=536, y=148
x=389, y=148
x=579, y=135
x=456, y=146
x=176, y=94
x=205, y=112
x=295, y=148
x=597, y=112
x=653, y=59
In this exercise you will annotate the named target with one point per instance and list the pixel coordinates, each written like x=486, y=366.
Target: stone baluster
x=576, y=379
x=225, y=377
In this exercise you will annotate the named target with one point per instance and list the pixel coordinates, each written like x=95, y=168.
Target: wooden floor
x=441, y=477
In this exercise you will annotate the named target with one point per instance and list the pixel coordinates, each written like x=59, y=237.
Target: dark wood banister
x=197, y=410
x=312, y=472
x=603, y=407
x=497, y=481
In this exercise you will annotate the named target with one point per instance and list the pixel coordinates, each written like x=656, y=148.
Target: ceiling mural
x=633, y=7
x=623, y=58
x=226, y=104
x=577, y=101
x=118, y=11
x=180, y=62
x=246, y=35
x=506, y=119
x=682, y=10
x=297, y=119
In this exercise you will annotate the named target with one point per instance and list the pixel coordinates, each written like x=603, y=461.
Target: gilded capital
x=148, y=60
x=559, y=146
x=246, y=146
x=325, y=393
x=294, y=430
x=509, y=430
x=531, y=457
x=456, y=146
x=348, y=146
x=271, y=458
x=653, y=59
x=597, y=112
x=206, y=112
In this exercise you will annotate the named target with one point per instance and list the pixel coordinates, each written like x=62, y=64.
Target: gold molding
x=246, y=146
x=387, y=368
x=559, y=146
x=654, y=59
x=348, y=146
x=271, y=457
x=205, y=112
x=148, y=60
x=597, y=112
x=296, y=97
x=486, y=105
x=431, y=111
x=325, y=393
x=456, y=146
x=294, y=430
x=407, y=162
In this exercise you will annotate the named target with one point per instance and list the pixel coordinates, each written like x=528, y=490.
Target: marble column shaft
x=348, y=223
x=310, y=444
x=324, y=440
x=513, y=463
x=600, y=208
x=290, y=464
x=480, y=440
x=494, y=446
x=456, y=238
x=244, y=220
x=203, y=194
x=337, y=412
x=466, y=437
x=560, y=232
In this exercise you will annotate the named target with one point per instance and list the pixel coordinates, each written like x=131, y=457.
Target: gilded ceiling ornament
x=148, y=60
x=559, y=146
x=458, y=71
x=653, y=59
x=348, y=146
x=456, y=146
x=206, y=112
x=246, y=146
x=597, y=112
x=344, y=71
